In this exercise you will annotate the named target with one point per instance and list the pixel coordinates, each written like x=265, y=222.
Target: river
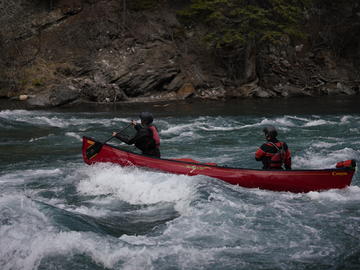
x=58, y=213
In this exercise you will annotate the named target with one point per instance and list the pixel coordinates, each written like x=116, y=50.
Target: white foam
x=74, y=135
x=177, y=129
x=324, y=159
x=28, y=174
x=138, y=186
x=40, y=138
x=281, y=121
x=90, y=211
x=26, y=222
x=189, y=135
x=319, y=122
x=11, y=113
x=58, y=119
x=324, y=144
x=299, y=118
x=223, y=124
x=345, y=119
x=221, y=128
x=355, y=130
x=43, y=243
x=26, y=251
x=351, y=193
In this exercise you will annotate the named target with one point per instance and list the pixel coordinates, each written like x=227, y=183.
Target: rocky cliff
x=58, y=52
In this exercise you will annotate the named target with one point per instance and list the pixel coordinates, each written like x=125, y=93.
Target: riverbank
x=101, y=51
x=193, y=107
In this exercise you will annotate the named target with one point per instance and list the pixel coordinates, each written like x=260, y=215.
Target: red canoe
x=293, y=180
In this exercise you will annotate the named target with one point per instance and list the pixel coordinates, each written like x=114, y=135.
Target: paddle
x=94, y=149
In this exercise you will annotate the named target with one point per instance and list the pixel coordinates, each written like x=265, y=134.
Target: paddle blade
x=93, y=150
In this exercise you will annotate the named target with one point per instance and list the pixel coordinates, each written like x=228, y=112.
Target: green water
x=58, y=213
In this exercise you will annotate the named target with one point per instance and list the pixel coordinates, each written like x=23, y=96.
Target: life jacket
x=277, y=159
x=155, y=136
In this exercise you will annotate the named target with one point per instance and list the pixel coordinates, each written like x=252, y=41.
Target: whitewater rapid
x=58, y=213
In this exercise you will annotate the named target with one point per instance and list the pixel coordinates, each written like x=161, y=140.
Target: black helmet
x=270, y=132
x=146, y=117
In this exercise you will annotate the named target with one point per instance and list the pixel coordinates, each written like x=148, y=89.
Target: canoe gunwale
x=224, y=167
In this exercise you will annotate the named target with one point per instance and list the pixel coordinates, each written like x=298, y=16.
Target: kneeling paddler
x=146, y=139
x=273, y=154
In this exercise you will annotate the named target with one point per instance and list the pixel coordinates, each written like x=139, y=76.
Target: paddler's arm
x=121, y=138
x=260, y=154
x=126, y=139
x=287, y=159
x=136, y=126
x=141, y=133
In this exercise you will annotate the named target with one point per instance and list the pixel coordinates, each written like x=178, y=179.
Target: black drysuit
x=143, y=140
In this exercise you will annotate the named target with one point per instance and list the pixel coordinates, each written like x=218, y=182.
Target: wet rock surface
x=60, y=52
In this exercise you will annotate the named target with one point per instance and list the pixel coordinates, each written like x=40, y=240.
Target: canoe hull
x=293, y=180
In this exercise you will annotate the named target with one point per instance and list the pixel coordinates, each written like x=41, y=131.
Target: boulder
x=345, y=89
x=101, y=92
x=290, y=90
x=61, y=95
x=23, y=97
x=176, y=83
x=185, y=91
x=260, y=92
x=243, y=90
x=251, y=89
x=58, y=95
x=212, y=93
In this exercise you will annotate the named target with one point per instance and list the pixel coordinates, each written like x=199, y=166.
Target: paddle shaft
x=117, y=132
x=93, y=150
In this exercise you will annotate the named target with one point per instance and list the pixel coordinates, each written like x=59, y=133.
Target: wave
x=21, y=223
x=22, y=175
x=60, y=120
x=74, y=135
x=349, y=194
x=324, y=159
x=40, y=138
x=184, y=136
x=219, y=124
x=177, y=129
x=281, y=121
x=137, y=186
x=324, y=144
x=319, y=122
x=12, y=113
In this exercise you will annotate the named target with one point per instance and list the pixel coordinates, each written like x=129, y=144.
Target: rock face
x=58, y=52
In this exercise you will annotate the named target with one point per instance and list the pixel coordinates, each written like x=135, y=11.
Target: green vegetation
x=234, y=23
x=338, y=26
x=37, y=82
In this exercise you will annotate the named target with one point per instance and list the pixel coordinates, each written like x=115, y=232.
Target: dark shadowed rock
x=176, y=83
x=5, y=89
x=61, y=95
x=56, y=96
x=41, y=99
x=143, y=70
x=244, y=90
x=96, y=51
x=185, y=91
x=290, y=90
x=101, y=92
